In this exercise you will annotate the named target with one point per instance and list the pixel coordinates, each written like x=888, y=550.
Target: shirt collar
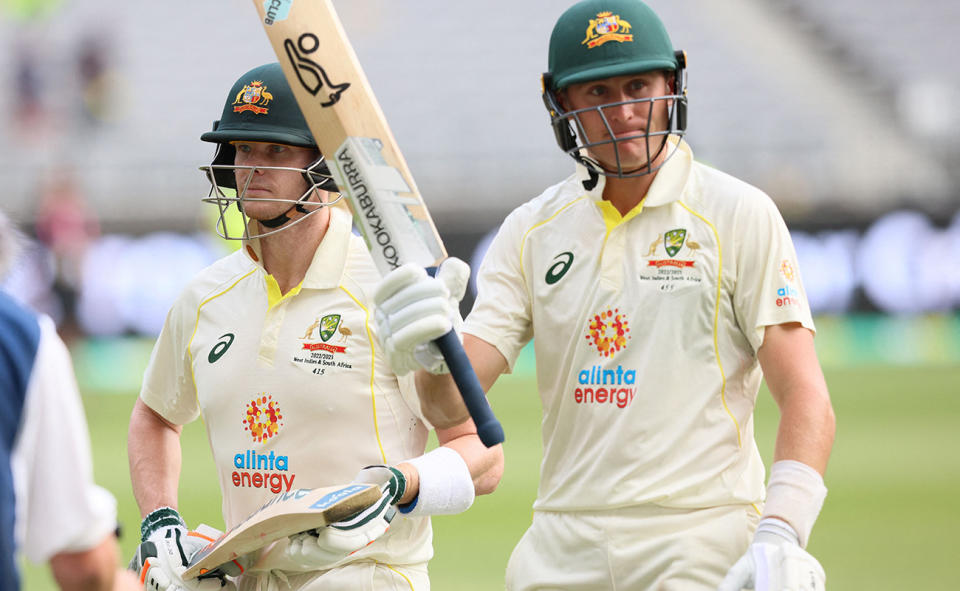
x=329, y=259
x=667, y=186
x=331, y=256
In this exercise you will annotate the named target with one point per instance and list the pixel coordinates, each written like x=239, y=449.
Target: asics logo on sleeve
x=559, y=268
x=220, y=348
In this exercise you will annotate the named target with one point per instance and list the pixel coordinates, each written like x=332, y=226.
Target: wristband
x=795, y=494
x=159, y=519
x=446, y=486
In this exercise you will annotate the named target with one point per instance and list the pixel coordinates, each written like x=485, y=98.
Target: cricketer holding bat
x=276, y=348
x=658, y=292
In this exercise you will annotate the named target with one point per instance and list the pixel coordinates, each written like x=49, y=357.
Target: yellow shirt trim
x=716, y=321
x=523, y=241
x=398, y=573
x=373, y=395
x=196, y=326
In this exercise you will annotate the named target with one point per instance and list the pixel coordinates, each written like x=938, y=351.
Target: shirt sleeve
x=59, y=507
x=501, y=314
x=769, y=289
x=168, y=385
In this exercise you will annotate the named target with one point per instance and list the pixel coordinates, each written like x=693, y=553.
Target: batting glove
x=161, y=560
x=775, y=562
x=324, y=548
x=413, y=309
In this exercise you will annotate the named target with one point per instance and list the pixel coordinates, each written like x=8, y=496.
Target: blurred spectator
x=50, y=508
x=94, y=74
x=66, y=225
x=28, y=110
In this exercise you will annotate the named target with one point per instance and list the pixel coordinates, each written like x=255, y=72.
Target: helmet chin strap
x=596, y=168
x=283, y=218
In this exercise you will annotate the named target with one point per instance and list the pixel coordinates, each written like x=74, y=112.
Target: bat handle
x=488, y=427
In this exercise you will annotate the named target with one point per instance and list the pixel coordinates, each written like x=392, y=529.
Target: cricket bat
x=282, y=516
x=349, y=127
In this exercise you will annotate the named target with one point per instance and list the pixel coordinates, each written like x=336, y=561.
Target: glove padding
x=161, y=560
x=413, y=309
x=323, y=548
x=775, y=562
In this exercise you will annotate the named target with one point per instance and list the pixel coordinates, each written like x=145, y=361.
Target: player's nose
x=620, y=109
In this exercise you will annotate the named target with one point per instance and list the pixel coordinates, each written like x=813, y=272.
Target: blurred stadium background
x=847, y=112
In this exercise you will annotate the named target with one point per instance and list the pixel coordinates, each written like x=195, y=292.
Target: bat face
x=352, y=133
x=282, y=516
x=388, y=213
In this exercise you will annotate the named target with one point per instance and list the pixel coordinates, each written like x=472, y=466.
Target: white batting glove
x=413, y=309
x=323, y=548
x=775, y=562
x=161, y=560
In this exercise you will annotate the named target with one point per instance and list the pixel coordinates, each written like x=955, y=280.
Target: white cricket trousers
x=363, y=575
x=637, y=549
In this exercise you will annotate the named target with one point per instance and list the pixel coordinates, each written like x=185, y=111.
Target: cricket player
x=658, y=293
x=50, y=508
x=276, y=348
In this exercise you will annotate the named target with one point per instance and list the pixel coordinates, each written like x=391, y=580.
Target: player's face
x=623, y=125
x=266, y=185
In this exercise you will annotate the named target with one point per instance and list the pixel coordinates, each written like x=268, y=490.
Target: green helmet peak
x=597, y=39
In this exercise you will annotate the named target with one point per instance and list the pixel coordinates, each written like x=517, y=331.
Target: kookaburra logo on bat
x=311, y=74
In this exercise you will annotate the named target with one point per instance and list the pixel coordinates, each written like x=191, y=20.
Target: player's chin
x=262, y=211
x=627, y=161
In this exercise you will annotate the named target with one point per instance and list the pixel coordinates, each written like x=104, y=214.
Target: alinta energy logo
x=608, y=331
x=262, y=418
x=788, y=295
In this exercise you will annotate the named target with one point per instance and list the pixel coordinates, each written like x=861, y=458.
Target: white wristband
x=446, y=486
x=795, y=494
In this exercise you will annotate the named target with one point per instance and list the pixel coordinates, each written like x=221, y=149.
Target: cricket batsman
x=658, y=293
x=276, y=348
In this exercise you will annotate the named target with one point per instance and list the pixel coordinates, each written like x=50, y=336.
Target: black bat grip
x=488, y=427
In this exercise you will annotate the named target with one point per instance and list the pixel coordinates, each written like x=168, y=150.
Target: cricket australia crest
x=328, y=326
x=673, y=241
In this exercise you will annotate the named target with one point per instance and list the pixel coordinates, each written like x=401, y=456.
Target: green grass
x=888, y=523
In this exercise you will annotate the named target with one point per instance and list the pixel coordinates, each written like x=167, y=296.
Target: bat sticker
x=311, y=74
x=332, y=498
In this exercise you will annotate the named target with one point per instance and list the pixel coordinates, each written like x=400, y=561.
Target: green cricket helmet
x=597, y=39
x=260, y=108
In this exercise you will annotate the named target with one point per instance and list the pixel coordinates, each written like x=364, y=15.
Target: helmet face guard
x=572, y=137
x=261, y=108
x=224, y=194
x=601, y=39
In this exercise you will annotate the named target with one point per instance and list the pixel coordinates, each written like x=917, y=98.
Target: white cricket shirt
x=293, y=390
x=59, y=506
x=647, y=326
